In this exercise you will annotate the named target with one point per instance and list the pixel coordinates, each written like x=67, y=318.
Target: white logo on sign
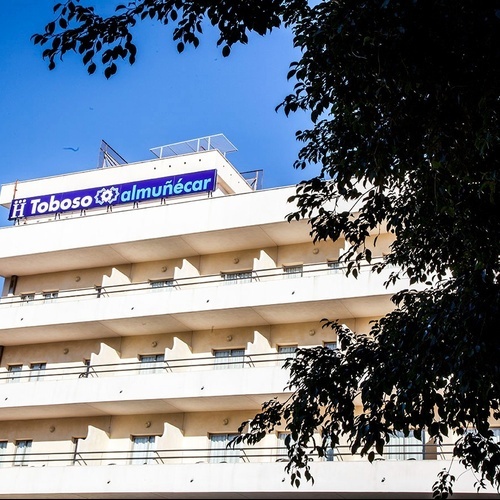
x=106, y=195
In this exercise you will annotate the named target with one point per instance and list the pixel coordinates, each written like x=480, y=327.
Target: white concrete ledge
x=333, y=480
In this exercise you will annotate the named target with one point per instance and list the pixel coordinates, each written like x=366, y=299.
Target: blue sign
x=130, y=192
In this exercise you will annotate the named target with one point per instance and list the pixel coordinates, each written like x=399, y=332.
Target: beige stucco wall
x=54, y=354
x=189, y=267
x=258, y=339
x=180, y=438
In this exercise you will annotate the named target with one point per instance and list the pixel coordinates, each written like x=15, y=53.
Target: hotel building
x=146, y=312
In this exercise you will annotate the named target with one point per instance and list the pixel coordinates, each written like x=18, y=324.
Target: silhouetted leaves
x=79, y=28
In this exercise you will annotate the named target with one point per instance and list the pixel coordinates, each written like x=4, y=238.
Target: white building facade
x=146, y=312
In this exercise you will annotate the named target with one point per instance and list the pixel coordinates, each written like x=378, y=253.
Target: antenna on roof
x=108, y=157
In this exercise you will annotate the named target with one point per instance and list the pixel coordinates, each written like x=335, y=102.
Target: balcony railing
x=253, y=454
x=139, y=368
x=206, y=455
x=240, y=277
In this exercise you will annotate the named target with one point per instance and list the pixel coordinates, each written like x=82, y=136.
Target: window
x=36, y=371
x=22, y=449
x=162, y=284
x=3, y=451
x=404, y=448
x=28, y=297
x=50, y=296
x=151, y=363
x=496, y=434
x=388, y=255
x=331, y=345
x=286, y=351
x=219, y=451
x=329, y=450
x=334, y=267
x=282, y=450
x=238, y=277
x=143, y=450
x=229, y=358
x=15, y=372
x=295, y=271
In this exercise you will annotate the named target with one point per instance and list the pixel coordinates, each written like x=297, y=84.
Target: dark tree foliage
x=78, y=28
x=404, y=99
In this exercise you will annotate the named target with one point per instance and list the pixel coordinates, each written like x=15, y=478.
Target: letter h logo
x=17, y=209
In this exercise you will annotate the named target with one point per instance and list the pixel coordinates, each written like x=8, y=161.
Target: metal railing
x=208, y=143
x=423, y=451
x=139, y=368
x=103, y=291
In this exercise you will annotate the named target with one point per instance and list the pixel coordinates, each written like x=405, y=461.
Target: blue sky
x=165, y=97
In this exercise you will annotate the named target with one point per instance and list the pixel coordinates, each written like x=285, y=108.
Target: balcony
x=176, y=385
x=237, y=454
x=192, y=473
x=269, y=296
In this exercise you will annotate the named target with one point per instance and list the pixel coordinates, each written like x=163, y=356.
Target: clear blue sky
x=165, y=97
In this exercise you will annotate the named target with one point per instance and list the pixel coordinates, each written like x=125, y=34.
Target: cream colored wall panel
x=54, y=354
x=157, y=270
x=54, y=429
x=205, y=341
x=131, y=347
x=69, y=280
x=229, y=262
